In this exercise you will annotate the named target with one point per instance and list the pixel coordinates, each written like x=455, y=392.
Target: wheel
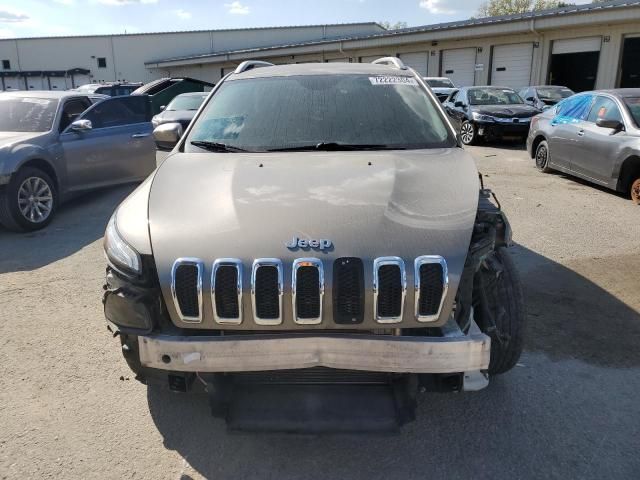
x=29, y=201
x=468, y=133
x=634, y=191
x=499, y=309
x=542, y=157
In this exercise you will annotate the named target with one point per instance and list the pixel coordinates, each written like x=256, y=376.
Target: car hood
x=369, y=204
x=177, y=115
x=506, y=111
x=11, y=138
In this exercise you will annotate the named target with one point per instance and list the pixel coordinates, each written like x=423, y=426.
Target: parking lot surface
x=69, y=407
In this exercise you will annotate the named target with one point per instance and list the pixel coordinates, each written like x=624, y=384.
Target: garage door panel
x=511, y=65
x=416, y=60
x=371, y=58
x=577, y=45
x=459, y=66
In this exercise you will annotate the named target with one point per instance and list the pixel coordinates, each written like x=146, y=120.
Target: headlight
x=119, y=253
x=481, y=117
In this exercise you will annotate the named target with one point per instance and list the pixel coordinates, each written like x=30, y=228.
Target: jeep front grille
x=389, y=289
x=431, y=284
x=186, y=288
x=267, y=290
x=226, y=291
x=307, y=290
x=348, y=291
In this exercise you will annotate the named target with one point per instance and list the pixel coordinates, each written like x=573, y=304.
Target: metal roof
x=472, y=22
x=172, y=32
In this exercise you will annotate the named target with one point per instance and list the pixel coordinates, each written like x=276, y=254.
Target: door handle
x=580, y=133
x=140, y=135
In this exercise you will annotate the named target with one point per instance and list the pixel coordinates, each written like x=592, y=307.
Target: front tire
x=29, y=201
x=499, y=309
x=542, y=157
x=468, y=133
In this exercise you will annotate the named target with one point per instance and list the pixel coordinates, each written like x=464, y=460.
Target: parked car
x=112, y=89
x=312, y=231
x=489, y=112
x=594, y=136
x=181, y=109
x=56, y=144
x=545, y=96
x=441, y=86
x=163, y=90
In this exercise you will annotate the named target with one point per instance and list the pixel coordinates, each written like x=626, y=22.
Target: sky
x=29, y=18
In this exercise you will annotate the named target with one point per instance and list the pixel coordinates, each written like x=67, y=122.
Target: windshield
x=633, y=104
x=439, y=82
x=186, y=102
x=262, y=114
x=554, y=93
x=26, y=114
x=493, y=96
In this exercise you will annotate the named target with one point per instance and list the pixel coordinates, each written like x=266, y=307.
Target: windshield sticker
x=391, y=80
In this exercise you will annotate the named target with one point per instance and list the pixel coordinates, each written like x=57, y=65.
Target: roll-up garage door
x=81, y=79
x=371, y=58
x=35, y=83
x=417, y=61
x=577, y=45
x=58, y=83
x=511, y=65
x=459, y=65
x=13, y=83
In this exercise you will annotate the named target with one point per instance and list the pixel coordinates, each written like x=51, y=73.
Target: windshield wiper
x=334, y=147
x=216, y=146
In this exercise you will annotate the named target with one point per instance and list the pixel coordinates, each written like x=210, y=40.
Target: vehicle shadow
x=505, y=143
x=78, y=223
x=571, y=321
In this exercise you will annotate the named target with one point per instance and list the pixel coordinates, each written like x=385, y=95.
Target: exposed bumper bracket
x=452, y=353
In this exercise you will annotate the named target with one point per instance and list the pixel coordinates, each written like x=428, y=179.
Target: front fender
x=15, y=157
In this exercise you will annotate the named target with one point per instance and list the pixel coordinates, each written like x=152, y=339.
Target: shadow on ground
x=78, y=223
x=530, y=423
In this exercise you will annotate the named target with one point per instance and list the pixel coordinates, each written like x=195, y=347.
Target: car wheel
x=29, y=201
x=635, y=191
x=499, y=309
x=468, y=133
x=542, y=157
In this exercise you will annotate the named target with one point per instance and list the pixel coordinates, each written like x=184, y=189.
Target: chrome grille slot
x=186, y=288
x=389, y=289
x=431, y=284
x=348, y=291
x=226, y=291
x=267, y=291
x=307, y=290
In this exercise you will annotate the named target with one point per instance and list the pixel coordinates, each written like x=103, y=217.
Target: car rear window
x=439, y=82
x=272, y=113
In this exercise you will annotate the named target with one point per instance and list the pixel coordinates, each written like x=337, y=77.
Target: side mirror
x=530, y=99
x=81, y=125
x=616, y=125
x=162, y=107
x=167, y=135
x=458, y=104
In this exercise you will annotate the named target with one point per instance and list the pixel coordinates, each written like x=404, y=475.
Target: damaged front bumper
x=453, y=352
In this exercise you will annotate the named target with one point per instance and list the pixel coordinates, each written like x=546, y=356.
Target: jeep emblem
x=317, y=244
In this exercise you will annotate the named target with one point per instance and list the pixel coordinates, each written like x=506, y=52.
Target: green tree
x=493, y=8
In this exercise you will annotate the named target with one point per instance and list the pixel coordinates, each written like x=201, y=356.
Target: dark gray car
x=181, y=109
x=307, y=239
x=55, y=144
x=594, y=136
x=545, y=96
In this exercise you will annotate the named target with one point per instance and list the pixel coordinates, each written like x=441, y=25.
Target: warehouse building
x=583, y=47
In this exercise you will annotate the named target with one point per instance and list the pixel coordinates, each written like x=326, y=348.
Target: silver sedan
x=594, y=136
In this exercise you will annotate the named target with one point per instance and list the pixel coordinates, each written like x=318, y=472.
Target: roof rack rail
x=250, y=65
x=396, y=62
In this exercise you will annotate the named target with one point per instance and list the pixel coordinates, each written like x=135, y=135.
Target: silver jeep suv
x=316, y=244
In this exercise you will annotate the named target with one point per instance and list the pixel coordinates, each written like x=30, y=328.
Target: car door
x=118, y=147
x=598, y=146
x=565, y=127
x=457, y=108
